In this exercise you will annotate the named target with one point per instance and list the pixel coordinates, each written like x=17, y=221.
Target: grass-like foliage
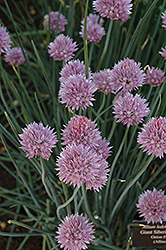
x=82, y=119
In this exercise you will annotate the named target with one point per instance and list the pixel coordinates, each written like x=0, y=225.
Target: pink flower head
x=74, y=67
x=164, y=19
x=78, y=164
x=62, y=48
x=112, y=9
x=152, y=205
x=5, y=40
x=153, y=137
x=130, y=109
x=126, y=76
x=75, y=232
x=38, y=140
x=95, y=31
x=101, y=80
x=52, y=20
x=81, y=130
x=163, y=52
x=15, y=56
x=154, y=77
x=77, y=91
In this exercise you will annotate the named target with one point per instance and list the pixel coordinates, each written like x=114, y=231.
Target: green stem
x=112, y=130
x=130, y=184
x=85, y=40
x=48, y=82
x=24, y=181
x=155, y=99
x=25, y=91
x=90, y=53
x=12, y=127
x=27, y=237
x=158, y=105
x=43, y=178
x=102, y=105
x=12, y=229
x=47, y=184
x=29, y=33
x=40, y=110
x=90, y=215
x=106, y=44
x=112, y=169
x=139, y=28
x=97, y=117
x=44, y=243
x=149, y=93
x=66, y=193
x=30, y=228
x=80, y=111
x=67, y=202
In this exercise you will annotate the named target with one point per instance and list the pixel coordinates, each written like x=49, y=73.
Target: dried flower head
x=77, y=92
x=112, y=9
x=74, y=67
x=154, y=76
x=164, y=19
x=75, y=232
x=55, y=20
x=5, y=40
x=126, y=76
x=81, y=130
x=153, y=137
x=163, y=52
x=62, y=48
x=38, y=140
x=101, y=80
x=78, y=164
x=15, y=56
x=95, y=31
x=152, y=205
x=130, y=109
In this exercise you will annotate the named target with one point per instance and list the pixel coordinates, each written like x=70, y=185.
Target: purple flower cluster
x=152, y=206
x=73, y=68
x=78, y=164
x=62, y=48
x=101, y=80
x=83, y=160
x=154, y=76
x=153, y=137
x=113, y=9
x=95, y=31
x=38, y=140
x=5, y=40
x=74, y=232
x=130, y=109
x=81, y=130
x=55, y=20
x=15, y=56
x=76, y=90
x=126, y=76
